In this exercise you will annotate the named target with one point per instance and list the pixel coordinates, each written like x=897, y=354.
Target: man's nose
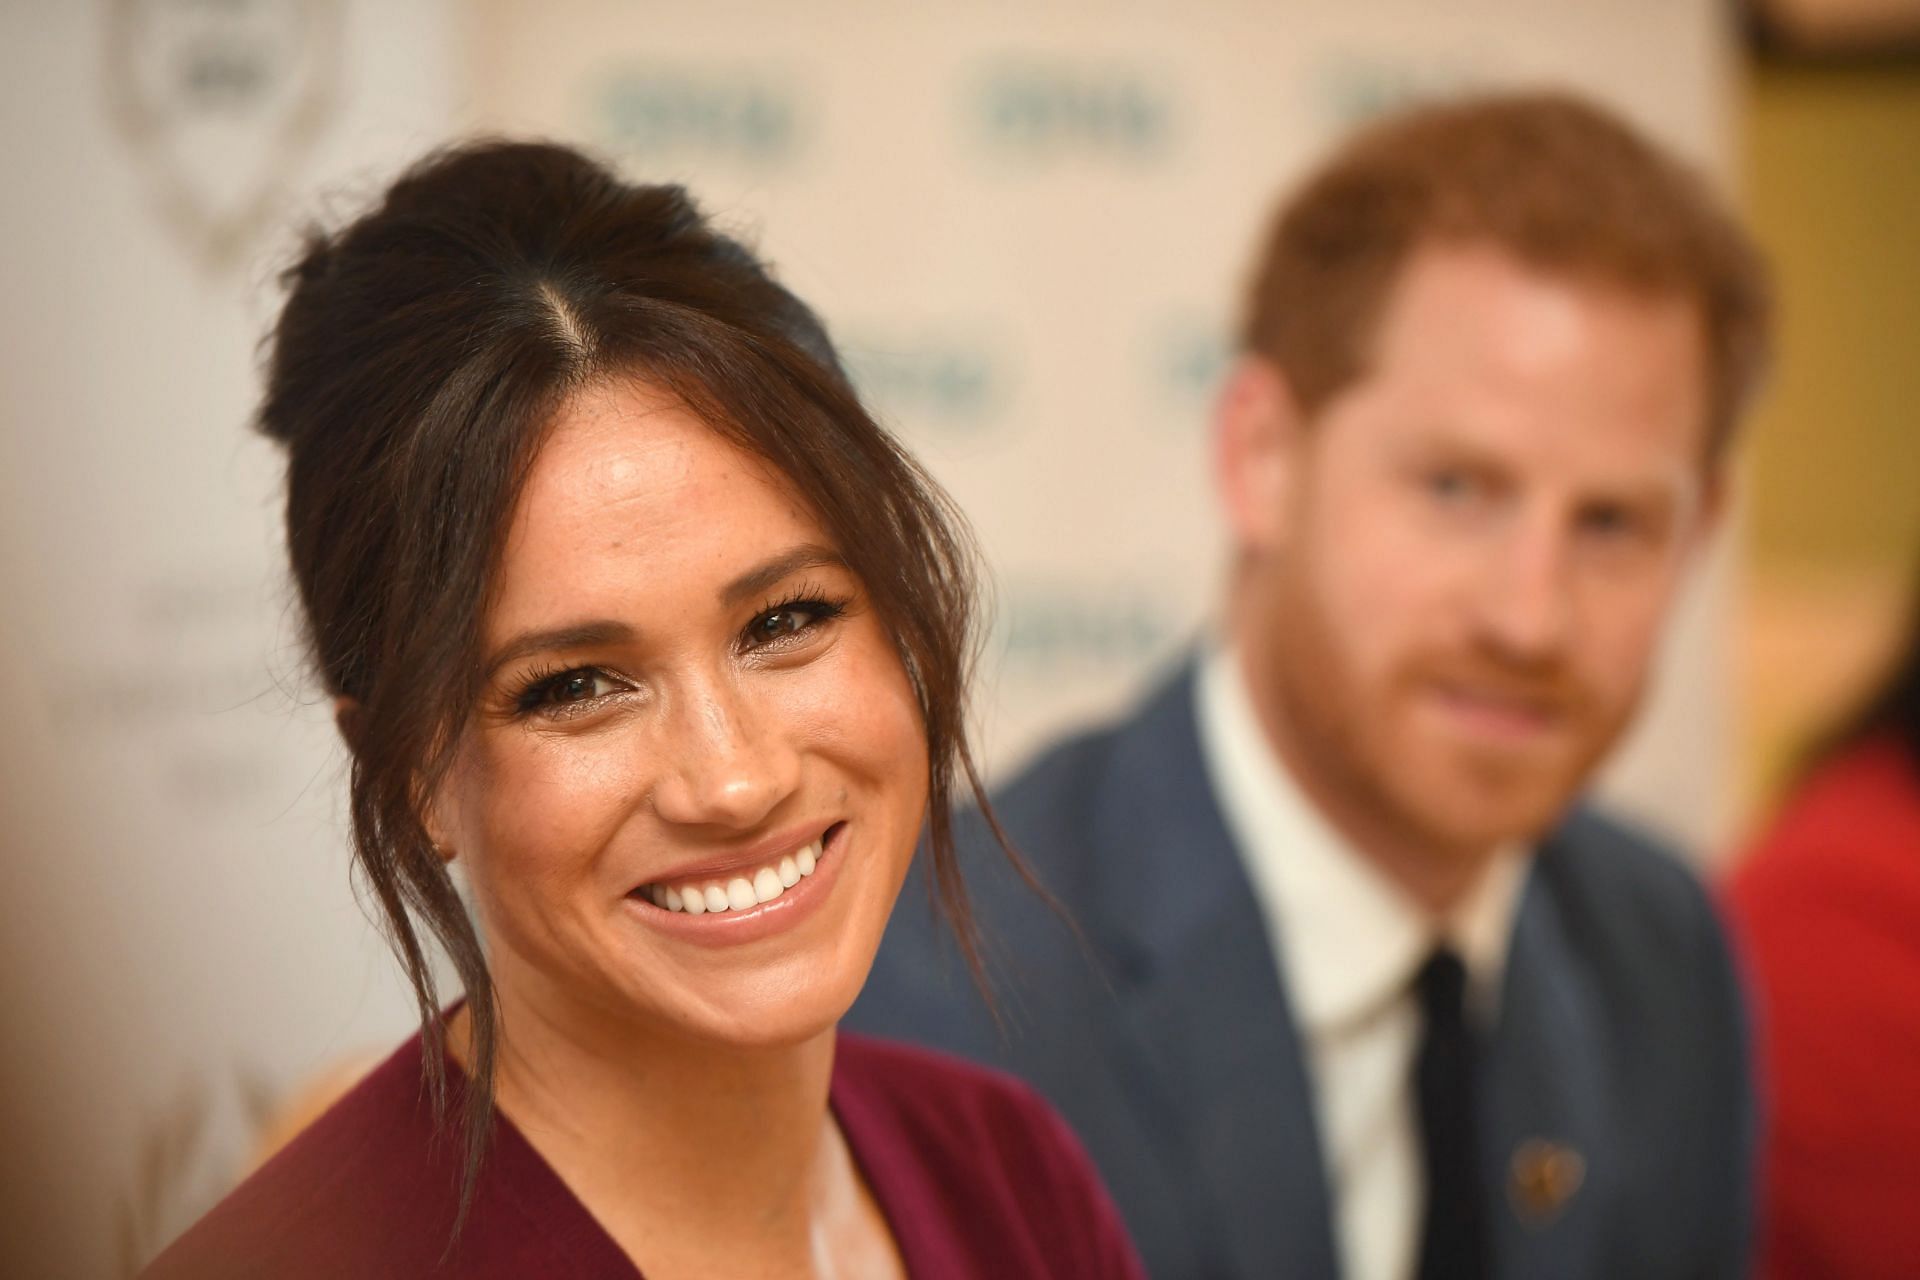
x=1526, y=604
x=727, y=760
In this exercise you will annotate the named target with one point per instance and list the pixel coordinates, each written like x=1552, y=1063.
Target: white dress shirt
x=1350, y=944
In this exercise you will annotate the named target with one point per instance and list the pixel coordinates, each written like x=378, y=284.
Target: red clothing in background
x=976, y=1175
x=1828, y=908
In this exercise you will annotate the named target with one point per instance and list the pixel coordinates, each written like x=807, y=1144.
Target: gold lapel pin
x=1543, y=1177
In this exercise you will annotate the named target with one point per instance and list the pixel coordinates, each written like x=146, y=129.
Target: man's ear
x=1716, y=497
x=1257, y=433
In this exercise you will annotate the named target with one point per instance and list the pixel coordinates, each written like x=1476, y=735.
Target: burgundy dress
x=977, y=1177
x=1827, y=906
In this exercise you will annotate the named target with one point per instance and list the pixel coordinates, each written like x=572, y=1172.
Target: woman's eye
x=577, y=687
x=571, y=687
x=784, y=622
x=779, y=624
x=787, y=621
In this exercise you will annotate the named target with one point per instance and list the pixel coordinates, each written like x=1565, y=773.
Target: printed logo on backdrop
x=936, y=384
x=1351, y=89
x=650, y=114
x=184, y=663
x=1187, y=355
x=1075, y=629
x=220, y=101
x=1047, y=111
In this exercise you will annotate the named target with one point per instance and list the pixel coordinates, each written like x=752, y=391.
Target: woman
x=1828, y=908
x=634, y=616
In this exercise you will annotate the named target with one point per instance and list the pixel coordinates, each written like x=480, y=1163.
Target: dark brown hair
x=422, y=352
x=1892, y=708
x=1559, y=183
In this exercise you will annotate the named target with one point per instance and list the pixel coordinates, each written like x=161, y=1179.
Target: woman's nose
x=725, y=760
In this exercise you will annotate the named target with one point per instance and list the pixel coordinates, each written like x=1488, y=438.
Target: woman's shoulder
x=1878, y=774
x=1848, y=828
x=366, y=1184
x=950, y=1146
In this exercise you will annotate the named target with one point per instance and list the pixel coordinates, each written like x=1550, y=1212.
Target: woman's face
x=695, y=783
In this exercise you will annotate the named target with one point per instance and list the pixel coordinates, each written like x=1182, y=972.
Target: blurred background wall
x=178, y=938
x=1831, y=164
x=1026, y=223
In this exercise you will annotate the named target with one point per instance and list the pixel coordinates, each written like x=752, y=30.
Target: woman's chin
x=764, y=1016
x=762, y=1035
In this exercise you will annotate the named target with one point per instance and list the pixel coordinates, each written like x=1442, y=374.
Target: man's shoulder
x=1065, y=786
x=1074, y=764
x=1632, y=904
x=1079, y=814
x=1606, y=859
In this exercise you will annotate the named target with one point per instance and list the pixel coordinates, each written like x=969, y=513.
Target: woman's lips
x=742, y=891
x=717, y=920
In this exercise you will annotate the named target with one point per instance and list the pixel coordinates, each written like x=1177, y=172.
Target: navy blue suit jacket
x=1163, y=1031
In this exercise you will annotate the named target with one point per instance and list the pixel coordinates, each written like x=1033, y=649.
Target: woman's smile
x=744, y=898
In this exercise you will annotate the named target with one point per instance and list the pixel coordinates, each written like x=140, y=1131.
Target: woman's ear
x=347, y=715
x=443, y=833
x=346, y=718
x=442, y=845
x=1257, y=432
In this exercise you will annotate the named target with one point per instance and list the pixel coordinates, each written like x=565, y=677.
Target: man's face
x=1455, y=572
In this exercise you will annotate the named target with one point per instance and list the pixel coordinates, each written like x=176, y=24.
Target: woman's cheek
x=545, y=799
x=870, y=706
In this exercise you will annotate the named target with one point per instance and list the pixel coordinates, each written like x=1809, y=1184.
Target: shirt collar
x=1350, y=939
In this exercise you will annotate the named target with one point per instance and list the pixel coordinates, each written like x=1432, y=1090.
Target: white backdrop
x=1025, y=223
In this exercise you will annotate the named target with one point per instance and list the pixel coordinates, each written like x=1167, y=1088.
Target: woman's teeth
x=740, y=893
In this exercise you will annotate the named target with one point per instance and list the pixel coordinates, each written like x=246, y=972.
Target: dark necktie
x=1453, y=1237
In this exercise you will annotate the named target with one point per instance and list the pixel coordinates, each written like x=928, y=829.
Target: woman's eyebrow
x=765, y=576
x=606, y=631
x=578, y=635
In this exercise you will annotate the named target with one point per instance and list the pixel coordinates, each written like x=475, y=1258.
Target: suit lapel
x=1548, y=1113
x=1216, y=1059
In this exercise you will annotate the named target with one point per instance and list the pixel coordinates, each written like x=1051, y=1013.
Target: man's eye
x=1610, y=522
x=1449, y=486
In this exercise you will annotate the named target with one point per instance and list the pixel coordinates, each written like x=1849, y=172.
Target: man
x=1358, y=989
